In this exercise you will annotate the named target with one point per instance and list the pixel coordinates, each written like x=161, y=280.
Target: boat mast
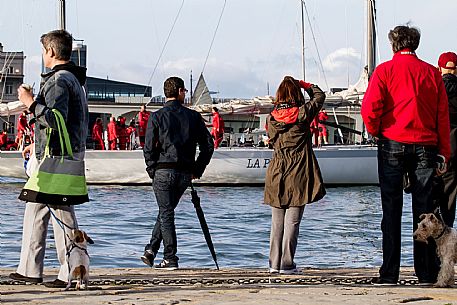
x=62, y=15
x=303, y=38
x=191, y=89
x=371, y=37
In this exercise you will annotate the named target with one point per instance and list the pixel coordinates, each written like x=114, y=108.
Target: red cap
x=448, y=60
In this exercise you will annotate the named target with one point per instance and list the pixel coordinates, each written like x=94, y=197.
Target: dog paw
x=440, y=285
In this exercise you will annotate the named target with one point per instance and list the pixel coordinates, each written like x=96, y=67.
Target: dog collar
x=442, y=233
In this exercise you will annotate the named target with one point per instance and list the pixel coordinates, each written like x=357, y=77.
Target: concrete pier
x=227, y=286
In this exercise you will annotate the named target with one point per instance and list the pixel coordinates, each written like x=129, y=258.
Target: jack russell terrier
x=78, y=259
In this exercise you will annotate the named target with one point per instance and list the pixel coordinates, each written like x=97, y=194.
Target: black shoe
x=148, y=258
x=56, y=284
x=167, y=265
x=377, y=281
x=19, y=277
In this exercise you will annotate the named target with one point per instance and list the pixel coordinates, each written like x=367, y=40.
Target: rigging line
x=214, y=35
x=315, y=43
x=209, y=50
x=164, y=46
x=77, y=17
x=347, y=41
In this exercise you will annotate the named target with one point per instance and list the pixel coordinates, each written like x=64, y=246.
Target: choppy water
x=342, y=230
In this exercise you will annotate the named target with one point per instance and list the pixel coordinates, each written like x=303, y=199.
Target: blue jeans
x=394, y=160
x=168, y=185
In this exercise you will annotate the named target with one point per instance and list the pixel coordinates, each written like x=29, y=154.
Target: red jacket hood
x=287, y=115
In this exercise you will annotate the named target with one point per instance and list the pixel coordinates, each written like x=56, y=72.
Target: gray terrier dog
x=446, y=242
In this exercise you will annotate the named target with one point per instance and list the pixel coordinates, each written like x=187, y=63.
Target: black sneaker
x=377, y=281
x=167, y=265
x=55, y=284
x=148, y=258
x=19, y=277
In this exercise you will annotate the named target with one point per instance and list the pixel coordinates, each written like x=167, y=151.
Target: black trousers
x=394, y=160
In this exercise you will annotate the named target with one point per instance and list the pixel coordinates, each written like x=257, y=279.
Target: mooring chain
x=232, y=281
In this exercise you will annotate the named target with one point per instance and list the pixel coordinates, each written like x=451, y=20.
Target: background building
x=11, y=77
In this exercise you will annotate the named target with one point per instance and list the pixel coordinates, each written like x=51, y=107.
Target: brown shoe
x=19, y=277
x=55, y=284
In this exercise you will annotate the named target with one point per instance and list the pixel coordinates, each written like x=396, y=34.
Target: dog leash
x=60, y=222
x=73, y=245
x=437, y=211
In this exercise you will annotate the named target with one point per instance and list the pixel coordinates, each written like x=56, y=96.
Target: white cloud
x=340, y=59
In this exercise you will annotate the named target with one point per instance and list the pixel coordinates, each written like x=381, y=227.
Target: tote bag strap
x=63, y=134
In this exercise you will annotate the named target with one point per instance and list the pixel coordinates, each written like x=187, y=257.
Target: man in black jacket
x=447, y=64
x=172, y=136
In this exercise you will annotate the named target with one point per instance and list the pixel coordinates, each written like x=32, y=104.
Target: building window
x=10, y=70
x=9, y=90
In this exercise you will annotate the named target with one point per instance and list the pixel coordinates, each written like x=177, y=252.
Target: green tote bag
x=58, y=180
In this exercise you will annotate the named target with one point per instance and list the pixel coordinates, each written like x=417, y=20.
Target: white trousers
x=34, y=232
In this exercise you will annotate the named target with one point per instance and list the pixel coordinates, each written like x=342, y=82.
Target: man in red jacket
x=143, y=117
x=112, y=134
x=22, y=128
x=323, y=132
x=97, y=134
x=405, y=107
x=218, y=127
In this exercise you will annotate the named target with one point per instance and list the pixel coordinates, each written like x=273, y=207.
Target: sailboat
x=340, y=164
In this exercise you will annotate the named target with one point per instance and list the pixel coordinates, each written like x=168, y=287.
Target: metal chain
x=233, y=281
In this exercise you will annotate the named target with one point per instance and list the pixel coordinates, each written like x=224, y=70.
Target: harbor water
x=342, y=230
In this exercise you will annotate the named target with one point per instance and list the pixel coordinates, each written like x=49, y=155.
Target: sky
x=257, y=42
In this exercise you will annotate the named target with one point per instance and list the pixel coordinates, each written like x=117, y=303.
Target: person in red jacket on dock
x=131, y=135
x=122, y=133
x=112, y=134
x=143, y=117
x=3, y=139
x=405, y=107
x=97, y=134
x=218, y=127
x=314, y=127
x=22, y=128
x=323, y=132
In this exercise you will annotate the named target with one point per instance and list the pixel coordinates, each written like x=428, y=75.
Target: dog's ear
x=422, y=217
x=89, y=240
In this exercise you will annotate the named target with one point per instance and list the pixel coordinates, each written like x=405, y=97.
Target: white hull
x=342, y=165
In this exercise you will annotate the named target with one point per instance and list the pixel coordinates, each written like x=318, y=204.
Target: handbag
x=58, y=180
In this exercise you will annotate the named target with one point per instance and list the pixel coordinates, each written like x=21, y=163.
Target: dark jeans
x=447, y=201
x=394, y=160
x=168, y=185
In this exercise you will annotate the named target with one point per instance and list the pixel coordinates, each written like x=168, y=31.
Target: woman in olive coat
x=293, y=177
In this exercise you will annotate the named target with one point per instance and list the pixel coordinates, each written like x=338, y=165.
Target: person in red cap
x=447, y=64
x=405, y=107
